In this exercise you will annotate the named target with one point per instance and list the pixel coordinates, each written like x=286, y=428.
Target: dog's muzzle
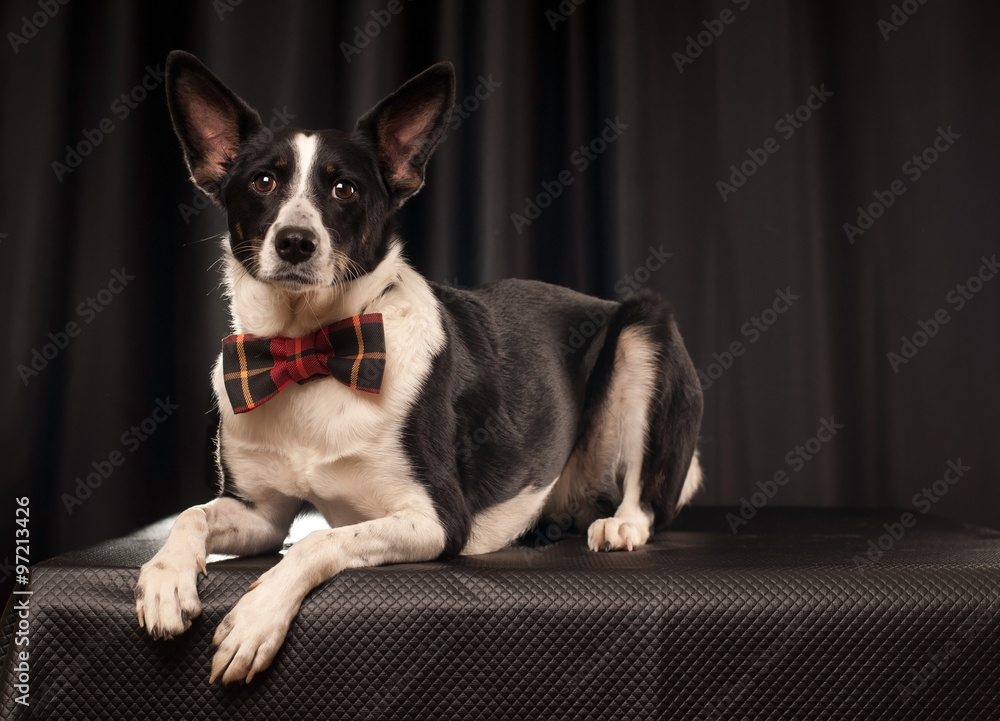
x=295, y=245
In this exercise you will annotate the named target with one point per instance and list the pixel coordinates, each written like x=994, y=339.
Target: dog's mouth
x=294, y=280
x=300, y=277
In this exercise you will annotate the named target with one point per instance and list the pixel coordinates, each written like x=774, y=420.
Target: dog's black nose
x=295, y=244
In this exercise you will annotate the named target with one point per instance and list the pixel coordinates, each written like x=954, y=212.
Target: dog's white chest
x=323, y=442
x=299, y=437
x=327, y=443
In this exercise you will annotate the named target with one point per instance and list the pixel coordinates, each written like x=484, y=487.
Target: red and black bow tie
x=351, y=350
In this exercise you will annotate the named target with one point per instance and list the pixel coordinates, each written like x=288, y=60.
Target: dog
x=392, y=372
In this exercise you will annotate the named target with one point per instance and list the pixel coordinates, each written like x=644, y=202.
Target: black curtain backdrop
x=613, y=128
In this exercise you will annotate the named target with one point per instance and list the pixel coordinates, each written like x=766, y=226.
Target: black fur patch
x=523, y=375
x=227, y=486
x=501, y=408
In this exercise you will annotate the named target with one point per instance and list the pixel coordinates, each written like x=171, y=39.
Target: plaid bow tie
x=351, y=350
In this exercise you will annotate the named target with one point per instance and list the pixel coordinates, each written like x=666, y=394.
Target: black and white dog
x=319, y=286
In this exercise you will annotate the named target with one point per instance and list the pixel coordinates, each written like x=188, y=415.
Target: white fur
x=692, y=481
x=338, y=448
x=335, y=447
x=301, y=211
x=625, y=423
x=224, y=525
x=616, y=451
x=253, y=631
x=505, y=522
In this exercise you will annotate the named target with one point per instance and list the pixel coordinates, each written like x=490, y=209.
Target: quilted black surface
x=777, y=622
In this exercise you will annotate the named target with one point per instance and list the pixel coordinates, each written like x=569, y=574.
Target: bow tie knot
x=351, y=350
x=300, y=364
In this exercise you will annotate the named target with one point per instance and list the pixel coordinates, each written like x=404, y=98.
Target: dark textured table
x=794, y=617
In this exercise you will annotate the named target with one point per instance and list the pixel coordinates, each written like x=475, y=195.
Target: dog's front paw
x=250, y=635
x=166, y=594
x=612, y=534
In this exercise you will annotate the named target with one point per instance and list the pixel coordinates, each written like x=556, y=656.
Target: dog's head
x=307, y=209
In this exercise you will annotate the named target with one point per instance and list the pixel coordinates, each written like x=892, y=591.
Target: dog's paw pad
x=166, y=598
x=612, y=534
x=250, y=635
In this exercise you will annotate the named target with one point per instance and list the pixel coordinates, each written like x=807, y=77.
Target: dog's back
x=553, y=393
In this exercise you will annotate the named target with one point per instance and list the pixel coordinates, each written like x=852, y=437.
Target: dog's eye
x=264, y=183
x=343, y=191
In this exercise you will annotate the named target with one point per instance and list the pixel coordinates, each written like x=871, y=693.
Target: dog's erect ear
x=209, y=118
x=408, y=125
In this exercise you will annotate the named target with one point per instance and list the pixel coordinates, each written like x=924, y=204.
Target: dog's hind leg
x=640, y=451
x=623, y=425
